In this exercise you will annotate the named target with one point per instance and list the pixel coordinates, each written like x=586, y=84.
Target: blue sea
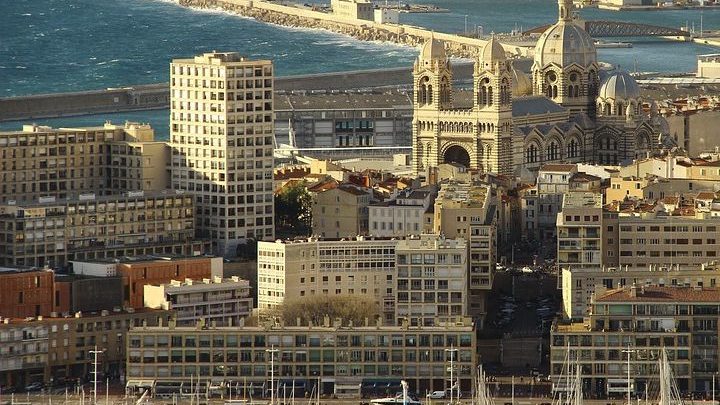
x=66, y=45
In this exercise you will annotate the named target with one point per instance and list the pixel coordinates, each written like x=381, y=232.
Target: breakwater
x=296, y=16
x=157, y=96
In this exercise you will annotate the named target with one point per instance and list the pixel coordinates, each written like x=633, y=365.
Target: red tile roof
x=661, y=294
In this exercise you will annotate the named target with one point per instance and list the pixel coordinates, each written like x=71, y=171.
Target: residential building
x=468, y=210
x=353, y=9
x=41, y=161
x=139, y=271
x=333, y=354
x=653, y=187
x=288, y=270
x=402, y=215
x=709, y=66
x=216, y=301
x=579, y=231
x=53, y=232
x=581, y=284
x=26, y=292
x=432, y=280
x=221, y=135
x=77, y=293
x=632, y=325
x=71, y=340
x=23, y=352
x=553, y=182
x=340, y=212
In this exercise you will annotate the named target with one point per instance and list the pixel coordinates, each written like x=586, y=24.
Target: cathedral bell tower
x=432, y=82
x=493, y=105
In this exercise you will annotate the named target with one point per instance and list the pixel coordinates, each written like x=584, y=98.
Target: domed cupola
x=492, y=54
x=565, y=65
x=433, y=50
x=521, y=84
x=619, y=96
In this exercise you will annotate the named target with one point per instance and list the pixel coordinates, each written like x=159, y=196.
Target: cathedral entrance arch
x=457, y=154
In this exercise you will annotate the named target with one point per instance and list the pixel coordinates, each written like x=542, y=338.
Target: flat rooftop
x=582, y=200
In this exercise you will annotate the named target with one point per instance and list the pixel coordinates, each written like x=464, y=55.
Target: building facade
x=403, y=215
x=353, y=9
x=289, y=270
x=642, y=320
x=364, y=356
x=221, y=135
x=216, y=301
x=432, y=280
x=27, y=292
x=54, y=232
x=341, y=212
x=23, y=352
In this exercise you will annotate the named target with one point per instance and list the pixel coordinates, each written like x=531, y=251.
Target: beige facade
x=580, y=285
x=579, y=231
x=221, y=135
x=431, y=280
x=331, y=354
x=403, y=215
x=341, y=212
x=643, y=320
x=216, y=301
x=53, y=232
x=41, y=161
x=23, y=352
x=652, y=188
x=353, y=9
x=362, y=266
x=468, y=210
x=709, y=66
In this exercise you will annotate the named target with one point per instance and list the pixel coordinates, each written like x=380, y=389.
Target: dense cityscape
x=509, y=219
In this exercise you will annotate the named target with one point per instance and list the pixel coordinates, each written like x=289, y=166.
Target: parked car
x=34, y=386
x=436, y=395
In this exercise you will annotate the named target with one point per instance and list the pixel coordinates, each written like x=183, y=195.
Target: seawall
x=290, y=16
x=157, y=96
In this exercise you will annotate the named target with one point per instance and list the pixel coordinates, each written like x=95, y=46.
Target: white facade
x=431, y=280
x=221, y=135
x=401, y=216
x=387, y=16
x=223, y=302
x=358, y=266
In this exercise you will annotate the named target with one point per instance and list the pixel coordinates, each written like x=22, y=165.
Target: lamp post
x=466, y=17
x=451, y=350
x=95, y=353
x=628, y=351
x=272, y=352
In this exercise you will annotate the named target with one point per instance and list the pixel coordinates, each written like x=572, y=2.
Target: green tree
x=314, y=308
x=293, y=211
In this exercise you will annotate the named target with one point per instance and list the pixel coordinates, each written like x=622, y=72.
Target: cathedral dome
x=521, y=84
x=619, y=86
x=492, y=52
x=565, y=43
x=433, y=50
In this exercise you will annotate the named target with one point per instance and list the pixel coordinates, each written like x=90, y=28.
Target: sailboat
x=482, y=392
x=568, y=387
x=669, y=392
x=401, y=398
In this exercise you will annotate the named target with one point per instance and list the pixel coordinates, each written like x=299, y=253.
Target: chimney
x=633, y=291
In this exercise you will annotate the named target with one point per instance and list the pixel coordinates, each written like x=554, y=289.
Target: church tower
x=565, y=68
x=493, y=104
x=432, y=82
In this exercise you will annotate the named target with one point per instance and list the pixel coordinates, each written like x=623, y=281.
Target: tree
x=293, y=211
x=314, y=308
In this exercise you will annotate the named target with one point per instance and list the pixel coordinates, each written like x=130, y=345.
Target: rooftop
x=661, y=294
x=582, y=200
x=144, y=258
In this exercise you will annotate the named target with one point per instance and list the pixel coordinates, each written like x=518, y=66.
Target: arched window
x=531, y=154
x=572, y=149
x=490, y=95
x=553, y=151
x=429, y=98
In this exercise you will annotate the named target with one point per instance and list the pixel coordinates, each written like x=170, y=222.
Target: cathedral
x=569, y=110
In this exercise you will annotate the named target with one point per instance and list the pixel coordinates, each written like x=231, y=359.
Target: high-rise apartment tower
x=221, y=126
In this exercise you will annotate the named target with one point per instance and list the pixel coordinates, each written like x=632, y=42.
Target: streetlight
x=95, y=353
x=272, y=352
x=628, y=351
x=466, y=17
x=451, y=350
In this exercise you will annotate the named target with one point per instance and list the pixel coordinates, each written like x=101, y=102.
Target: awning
x=140, y=384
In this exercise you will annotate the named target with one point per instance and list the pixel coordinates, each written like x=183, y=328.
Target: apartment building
x=353, y=9
x=402, y=215
x=323, y=356
x=580, y=284
x=41, y=161
x=53, y=232
x=363, y=266
x=23, y=352
x=26, y=292
x=221, y=135
x=217, y=301
x=431, y=280
x=642, y=320
x=580, y=231
x=139, y=271
x=340, y=212
x=468, y=210
x=655, y=188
